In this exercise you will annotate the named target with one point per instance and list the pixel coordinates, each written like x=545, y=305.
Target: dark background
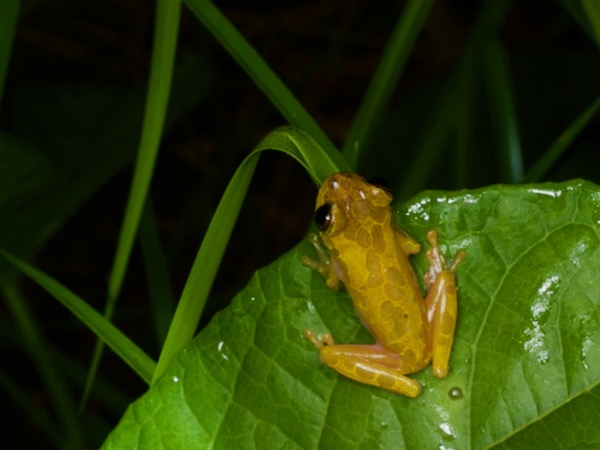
x=326, y=52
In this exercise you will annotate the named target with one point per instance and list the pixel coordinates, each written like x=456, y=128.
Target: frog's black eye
x=323, y=216
x=380, y=183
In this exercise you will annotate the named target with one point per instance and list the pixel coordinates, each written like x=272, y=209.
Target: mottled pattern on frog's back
x=376, y=271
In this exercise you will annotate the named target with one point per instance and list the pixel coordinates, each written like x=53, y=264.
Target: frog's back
x=374, y=267
x=384, y=290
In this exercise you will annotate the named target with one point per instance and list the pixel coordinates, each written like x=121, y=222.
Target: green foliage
x=527, y=352
x=525, y=365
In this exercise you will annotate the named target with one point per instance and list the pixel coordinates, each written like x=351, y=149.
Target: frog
x=360, y=247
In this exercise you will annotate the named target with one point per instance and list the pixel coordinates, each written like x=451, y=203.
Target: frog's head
x=346, y=197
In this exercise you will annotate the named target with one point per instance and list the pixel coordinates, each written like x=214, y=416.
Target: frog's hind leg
x=369, y=364
x=441, y=305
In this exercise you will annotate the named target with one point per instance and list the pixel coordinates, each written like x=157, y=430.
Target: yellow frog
x=368, y=253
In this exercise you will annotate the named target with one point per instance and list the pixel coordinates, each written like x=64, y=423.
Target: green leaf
x=526, y=354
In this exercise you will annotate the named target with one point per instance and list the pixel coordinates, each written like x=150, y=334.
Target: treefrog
x=367, y=253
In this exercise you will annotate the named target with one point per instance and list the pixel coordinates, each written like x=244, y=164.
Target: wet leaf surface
x=525, y=366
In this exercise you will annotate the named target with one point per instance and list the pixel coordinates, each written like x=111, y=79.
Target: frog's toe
x=458, y=258
x=324, y=340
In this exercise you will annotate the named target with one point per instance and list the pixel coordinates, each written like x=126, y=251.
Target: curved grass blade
x=247, y=57
x=319, y=162
x=291, y=141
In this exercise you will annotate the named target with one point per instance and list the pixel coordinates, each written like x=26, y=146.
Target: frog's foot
x=325, y=339
x=437, y=261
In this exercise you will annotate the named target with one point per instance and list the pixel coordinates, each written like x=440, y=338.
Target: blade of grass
x=35, y=345
x=487, y=26
x=592, y=9
x=196, y=290
x=299, y=145
x=451, y=120
x=547, y=160
x=428, y=152
x=385, y=78
x=503, y=112
x=318, y=161
x=9, y=15
x=161, y=73
x=452, y=117
x=465, y=105
x=497, y=80
x=163, y=55
x=247, y=57
x=107, y=332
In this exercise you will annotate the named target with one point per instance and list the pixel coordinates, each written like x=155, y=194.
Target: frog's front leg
x=325, y=265
x=441, y=304
x=369, y=364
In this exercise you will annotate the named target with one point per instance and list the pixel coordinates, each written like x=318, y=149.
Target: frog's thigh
x=441, y=312
x=370, y=364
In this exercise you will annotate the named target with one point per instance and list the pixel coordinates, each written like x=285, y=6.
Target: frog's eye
x=381, y=183
x=323, y=216
x=330, y=219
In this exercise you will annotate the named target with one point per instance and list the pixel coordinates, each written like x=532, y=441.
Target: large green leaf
x=526, y=357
